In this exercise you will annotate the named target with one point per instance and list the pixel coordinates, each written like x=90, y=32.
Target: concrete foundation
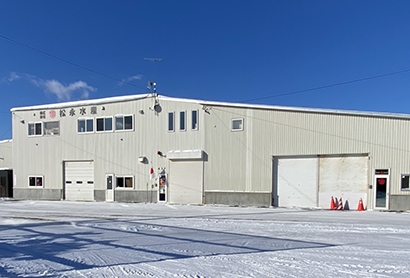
x=37, y=194
x=99, y=195
x=135, y=196
x=239, y=198
x=399, y=202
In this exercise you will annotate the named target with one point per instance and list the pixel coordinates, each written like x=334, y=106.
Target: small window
x=125, y=182
x=194, y=120
x=237, y=124
x=52, y=128
x=123, y=122
x=85, y=125
x=35, y=181
x=405, y=182
x=182, y=121
x=34, y=129
x=104, y=124
x=171, y=121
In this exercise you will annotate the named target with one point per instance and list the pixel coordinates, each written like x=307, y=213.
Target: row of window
x=44, y=128
x=127, y=181
x=236, y=124
x=183, y=120
x=105, y=124
x=119, y=123
x=84, y=125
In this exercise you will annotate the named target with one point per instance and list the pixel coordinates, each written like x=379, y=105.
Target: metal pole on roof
x=155, y=60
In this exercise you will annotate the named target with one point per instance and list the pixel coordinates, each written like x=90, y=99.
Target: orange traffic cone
x=332, y=204
x=340, y=206
x=360, y=207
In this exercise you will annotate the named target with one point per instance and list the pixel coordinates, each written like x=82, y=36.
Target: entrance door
x=381, y=190
x=109, y=193
x=162, y=187
x=3, y=185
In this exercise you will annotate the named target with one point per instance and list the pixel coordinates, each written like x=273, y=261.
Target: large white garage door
x=343, y=177
x=79, y=180
x=296, y=181
x=185, y=182
x=312, y=181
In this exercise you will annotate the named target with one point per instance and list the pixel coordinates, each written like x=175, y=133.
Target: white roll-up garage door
x=297, y=181
x=312, y=181
x=343, y=177
x=79, y=180
x=185, y=182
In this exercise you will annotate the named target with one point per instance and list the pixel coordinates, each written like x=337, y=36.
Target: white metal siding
x=343, y=177
x=79, y=180
x=297, y=182
x=185, y=182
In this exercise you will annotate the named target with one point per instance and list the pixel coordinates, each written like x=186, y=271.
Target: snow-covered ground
x=97, y=239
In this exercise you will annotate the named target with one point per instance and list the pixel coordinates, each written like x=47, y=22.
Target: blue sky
x=235, y=51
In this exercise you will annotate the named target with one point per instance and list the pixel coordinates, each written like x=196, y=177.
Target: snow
x=98, y=239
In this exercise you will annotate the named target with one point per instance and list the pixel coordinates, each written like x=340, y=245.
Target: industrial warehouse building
x=150, y=148
x=6, y=172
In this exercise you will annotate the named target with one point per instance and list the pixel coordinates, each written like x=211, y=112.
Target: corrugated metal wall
x=113, y=152
x=239, y=161
x=242, y=160
x=6, y=156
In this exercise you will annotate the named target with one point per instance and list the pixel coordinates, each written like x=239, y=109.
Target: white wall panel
x=343, y=177
x=297, y=182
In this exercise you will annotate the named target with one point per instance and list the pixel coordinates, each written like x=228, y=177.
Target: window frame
x=237, y=129
x=196, y=127
x=34, y=124
x=124, y=177
x=408, y=182
x=123, y=116
x=173, y=121
x=50, y=134
x=86, y=125
x=182, y=122
x=36, y=177
x=104, y=124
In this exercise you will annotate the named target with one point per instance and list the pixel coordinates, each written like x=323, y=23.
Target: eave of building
x=291, y=109
x=210, y=104
x=82, y=103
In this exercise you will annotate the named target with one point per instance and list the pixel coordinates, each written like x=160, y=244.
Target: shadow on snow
x=65, y=246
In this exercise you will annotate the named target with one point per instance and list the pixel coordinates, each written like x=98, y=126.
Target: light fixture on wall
x=161, y=154
x=22, y=121
x=143, y=159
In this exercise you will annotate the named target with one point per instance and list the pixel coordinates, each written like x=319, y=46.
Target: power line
x=68, y=62
x=303, y=128
x=328, y=86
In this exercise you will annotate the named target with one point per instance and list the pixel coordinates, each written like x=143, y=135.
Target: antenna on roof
x=153, y=85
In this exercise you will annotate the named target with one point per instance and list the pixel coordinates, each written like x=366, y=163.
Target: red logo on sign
x=381, y=181
x=52, y=114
